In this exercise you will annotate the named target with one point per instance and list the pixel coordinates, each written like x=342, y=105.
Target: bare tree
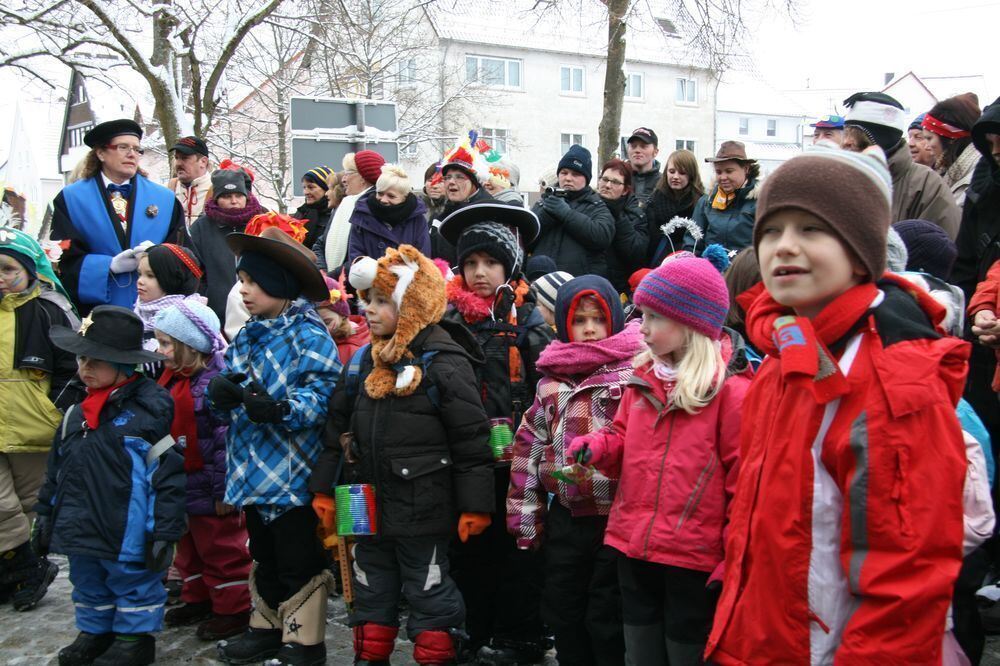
x=181, y=48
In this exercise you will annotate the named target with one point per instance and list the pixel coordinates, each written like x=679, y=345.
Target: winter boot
x=303, y=623
x=17, y=564
x=434, y=648
x=129, y=650
x=191, y=613
x=32, y=588
x=504, y=652
x=223, y=626
x=373, y=644
x=261, y=640
x=85, y=649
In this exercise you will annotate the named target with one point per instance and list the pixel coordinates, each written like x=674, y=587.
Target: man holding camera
x=576, y=226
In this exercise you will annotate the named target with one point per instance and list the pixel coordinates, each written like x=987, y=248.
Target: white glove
x=124, y=262
x=142, y=247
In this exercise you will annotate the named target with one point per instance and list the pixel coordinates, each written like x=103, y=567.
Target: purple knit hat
x=688, y=290
x=337, y=300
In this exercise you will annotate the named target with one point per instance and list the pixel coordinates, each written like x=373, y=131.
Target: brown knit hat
x=852, y=192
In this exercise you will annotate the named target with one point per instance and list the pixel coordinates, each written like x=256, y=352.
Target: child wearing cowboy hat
x=280, y=370
x=113, y=495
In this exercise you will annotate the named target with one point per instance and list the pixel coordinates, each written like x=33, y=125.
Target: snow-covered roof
x=119, y=95
x=771, y=151
x=747, y=92
x=656, y=34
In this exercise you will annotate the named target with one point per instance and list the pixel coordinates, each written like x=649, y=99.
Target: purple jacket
x=370, y=237
x=208, y=484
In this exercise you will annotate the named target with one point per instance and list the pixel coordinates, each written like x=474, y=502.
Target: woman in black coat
x=675, y=195
x=628, y=248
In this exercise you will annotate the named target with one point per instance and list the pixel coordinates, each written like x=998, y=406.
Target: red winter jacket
x=352, y=343
x=677, y=470
x=845, y=535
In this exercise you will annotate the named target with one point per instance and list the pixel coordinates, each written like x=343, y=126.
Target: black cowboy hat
x=516, y=217
x=291, y=255
x=103, y=133
x=109, y=333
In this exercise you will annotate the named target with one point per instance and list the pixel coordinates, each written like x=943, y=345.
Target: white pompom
x=404, y=377
x=363, y=272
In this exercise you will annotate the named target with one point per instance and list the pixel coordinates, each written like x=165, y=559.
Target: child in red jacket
x=983, y=308
x=845, y=533
x=674, y=445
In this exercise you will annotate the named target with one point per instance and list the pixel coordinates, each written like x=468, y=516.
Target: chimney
x=889, y=76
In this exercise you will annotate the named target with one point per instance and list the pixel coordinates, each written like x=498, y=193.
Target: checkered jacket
x=294, y=357
x=562, y=410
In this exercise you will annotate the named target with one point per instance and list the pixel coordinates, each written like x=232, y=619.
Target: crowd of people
x=643, y=422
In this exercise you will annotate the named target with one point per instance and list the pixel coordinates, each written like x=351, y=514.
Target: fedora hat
x=293, y=256
x=515, y=217
x=109, y=333
x=731, y=150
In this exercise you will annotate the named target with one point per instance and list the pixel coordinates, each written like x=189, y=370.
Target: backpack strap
x=433, y=393
x=353, y=377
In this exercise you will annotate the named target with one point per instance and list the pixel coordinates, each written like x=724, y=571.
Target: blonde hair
x=187, y=359
x=348, y=162
x=393, y=178
x=700, y=368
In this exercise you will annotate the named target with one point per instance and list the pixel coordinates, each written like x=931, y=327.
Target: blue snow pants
x=118, y=597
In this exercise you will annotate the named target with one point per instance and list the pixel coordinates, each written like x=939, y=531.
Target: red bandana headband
x=185, y=259
x=941, y=128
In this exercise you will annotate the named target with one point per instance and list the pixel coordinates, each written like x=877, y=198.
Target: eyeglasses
x=455, y=177
x=126, y=148
x=609, y=181
x=350, y=172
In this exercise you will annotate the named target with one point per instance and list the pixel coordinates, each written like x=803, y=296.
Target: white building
x=545, y=81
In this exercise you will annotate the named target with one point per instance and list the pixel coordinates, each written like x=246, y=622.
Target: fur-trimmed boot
x=261, y=640
x=373, y=644
x=303, y=624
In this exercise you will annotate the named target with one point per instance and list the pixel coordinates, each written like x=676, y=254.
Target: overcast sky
x=840, y=43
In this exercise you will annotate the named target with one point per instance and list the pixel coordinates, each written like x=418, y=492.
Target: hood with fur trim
x=416, y=286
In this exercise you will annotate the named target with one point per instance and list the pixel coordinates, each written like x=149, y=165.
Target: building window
x=497, y=138
x=493, y=72
x=634, y=86
x=76, y=135
x=408, y=146
x=772, y=127
x=684, y=144
x=569, y=139
x=744, y=126
x=687, y=91
x=571, y=80
x=407, y=75
x=668, y=27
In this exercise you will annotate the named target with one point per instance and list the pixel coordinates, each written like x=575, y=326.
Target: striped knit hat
x=318, y=176
x=852, y=192
x=688, y=290
x=546, y=288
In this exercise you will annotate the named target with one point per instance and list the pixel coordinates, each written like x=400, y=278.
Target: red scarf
x=184, y=424
x=94, y=402
x=802, y=343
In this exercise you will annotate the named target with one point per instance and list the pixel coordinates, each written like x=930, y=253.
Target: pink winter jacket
x=677, y=471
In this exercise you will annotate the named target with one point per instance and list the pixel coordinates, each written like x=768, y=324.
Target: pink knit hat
x=688, y=290
x=369, y=164
x=337, y=299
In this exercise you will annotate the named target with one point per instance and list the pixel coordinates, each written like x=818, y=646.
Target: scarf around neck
x=803, y=344
x=184, y=424
x=94, y=403
x=721, y=200
x=575, y=359
x=394, y=214
x=147, y=311
x=235, y=218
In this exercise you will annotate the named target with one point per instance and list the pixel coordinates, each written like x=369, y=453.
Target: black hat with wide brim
x=103, y=133
x=288, y=253
x=516, y=217
x=109, y=333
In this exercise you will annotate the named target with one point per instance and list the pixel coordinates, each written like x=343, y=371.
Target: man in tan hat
x=726, y=212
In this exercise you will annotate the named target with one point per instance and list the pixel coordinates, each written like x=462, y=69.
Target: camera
x=555, y=192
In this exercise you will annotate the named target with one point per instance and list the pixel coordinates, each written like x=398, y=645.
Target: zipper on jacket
x=694, y=499
x=659, y=480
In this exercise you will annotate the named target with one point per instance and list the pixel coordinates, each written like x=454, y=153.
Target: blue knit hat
x=577, y=158
x=192, y=323
x=689, y=291
x=595, y=286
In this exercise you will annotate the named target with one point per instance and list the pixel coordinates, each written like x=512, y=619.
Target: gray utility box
x=324, y=129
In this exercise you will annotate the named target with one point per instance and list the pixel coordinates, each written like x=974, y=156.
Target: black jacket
x=659, y=211
x=643, y=184
x=317, y=217
x=578, y=242
x=105, y=500
x=628, y=249
x=429, y=460
x=502, y=397
x=208, y=241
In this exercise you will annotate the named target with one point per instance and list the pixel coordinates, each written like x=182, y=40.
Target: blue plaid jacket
x=294, y=357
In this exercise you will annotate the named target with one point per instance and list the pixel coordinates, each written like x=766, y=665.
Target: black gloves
x=159, y=555
x=41, y=535
x=262, y=408
x=225, y=391
x=558, y=207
